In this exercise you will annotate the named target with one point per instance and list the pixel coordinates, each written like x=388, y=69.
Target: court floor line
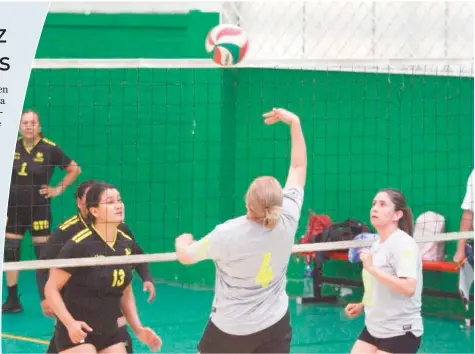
x=25, y=339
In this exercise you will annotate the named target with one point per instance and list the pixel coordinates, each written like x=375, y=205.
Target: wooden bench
x=319, y=279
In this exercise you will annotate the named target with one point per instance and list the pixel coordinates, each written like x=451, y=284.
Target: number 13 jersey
x=93, y=294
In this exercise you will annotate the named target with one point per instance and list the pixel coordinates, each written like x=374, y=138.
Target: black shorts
x=407, y=343
x=99, y=340
x=28, y=213
x=274, y=339
x=51, y=346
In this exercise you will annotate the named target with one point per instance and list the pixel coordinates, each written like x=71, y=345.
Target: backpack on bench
x=343, y=231
x=315, y=225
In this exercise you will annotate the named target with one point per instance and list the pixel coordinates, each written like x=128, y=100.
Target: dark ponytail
x=83, y=186
x=406, y=222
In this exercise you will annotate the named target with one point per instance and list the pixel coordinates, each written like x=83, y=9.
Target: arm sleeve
x=467, y=203
x=50, y=250
x=293, y=200
x=72, y=250
x=59, y=158
x=213, y=246
x=143, y=269
x=405, y=259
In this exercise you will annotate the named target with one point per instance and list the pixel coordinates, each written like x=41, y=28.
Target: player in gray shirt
x=251, y=254
x=392, y=278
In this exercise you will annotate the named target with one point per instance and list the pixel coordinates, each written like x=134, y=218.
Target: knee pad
x=38, y=249
x=12, y=250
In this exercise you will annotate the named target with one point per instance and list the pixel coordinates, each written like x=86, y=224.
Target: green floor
x=179, y=316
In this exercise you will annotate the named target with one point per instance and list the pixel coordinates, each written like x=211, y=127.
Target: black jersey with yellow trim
x=93, y=293
x=34, y=167
x=66, y=231
x=50, y=250
x=70, y=228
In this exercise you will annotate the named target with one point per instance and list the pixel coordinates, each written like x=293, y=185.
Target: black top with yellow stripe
x=34, y=167
x=67, y=230
x=93, y=294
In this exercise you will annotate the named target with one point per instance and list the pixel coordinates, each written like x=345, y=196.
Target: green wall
x=183, y=144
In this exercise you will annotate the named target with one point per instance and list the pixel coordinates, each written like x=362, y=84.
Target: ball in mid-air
x=227, y=44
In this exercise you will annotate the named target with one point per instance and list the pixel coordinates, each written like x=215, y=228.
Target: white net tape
x=440, y=67
x=167, y=257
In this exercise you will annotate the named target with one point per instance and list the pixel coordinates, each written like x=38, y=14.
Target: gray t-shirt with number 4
x=389, y=313
x=251, y=265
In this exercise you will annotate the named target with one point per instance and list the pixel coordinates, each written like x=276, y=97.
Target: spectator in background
x=464, y=254
x=466, y=224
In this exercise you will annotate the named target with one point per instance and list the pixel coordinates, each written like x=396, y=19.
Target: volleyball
x=227, y=44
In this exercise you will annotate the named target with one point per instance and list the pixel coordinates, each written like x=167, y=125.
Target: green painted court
x=179, y=316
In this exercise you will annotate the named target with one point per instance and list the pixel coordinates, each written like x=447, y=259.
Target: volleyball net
x=171, y=256
x=182, y=138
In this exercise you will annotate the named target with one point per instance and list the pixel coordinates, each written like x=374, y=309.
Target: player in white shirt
x=250, y=311
x=466, y=224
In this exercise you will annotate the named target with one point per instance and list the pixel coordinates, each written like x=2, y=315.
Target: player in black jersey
x=88, y=300
x=65, y=232
x=29, y=203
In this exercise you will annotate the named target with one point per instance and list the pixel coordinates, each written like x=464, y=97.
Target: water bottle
x=308, y=281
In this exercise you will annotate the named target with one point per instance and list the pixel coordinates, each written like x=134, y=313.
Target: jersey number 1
x=265, y=274
x=118, y=277
x=22, y=171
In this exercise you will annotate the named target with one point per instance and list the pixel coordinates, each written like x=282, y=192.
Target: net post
x=318, y=281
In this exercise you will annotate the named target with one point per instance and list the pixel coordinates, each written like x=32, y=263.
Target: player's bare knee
x=9, y=235
x=80, y=349
x=40, y=240
x=118, y=348
x=362, y=347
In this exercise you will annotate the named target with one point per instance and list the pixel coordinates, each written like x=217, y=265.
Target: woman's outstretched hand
x=280, y=115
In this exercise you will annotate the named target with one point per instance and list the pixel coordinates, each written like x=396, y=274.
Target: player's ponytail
x=406, y=222
x=83, y=187
x=263, y=201
x=271, y=218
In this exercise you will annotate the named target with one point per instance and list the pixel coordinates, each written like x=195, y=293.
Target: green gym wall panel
x=97, y=35
x=183, y=144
